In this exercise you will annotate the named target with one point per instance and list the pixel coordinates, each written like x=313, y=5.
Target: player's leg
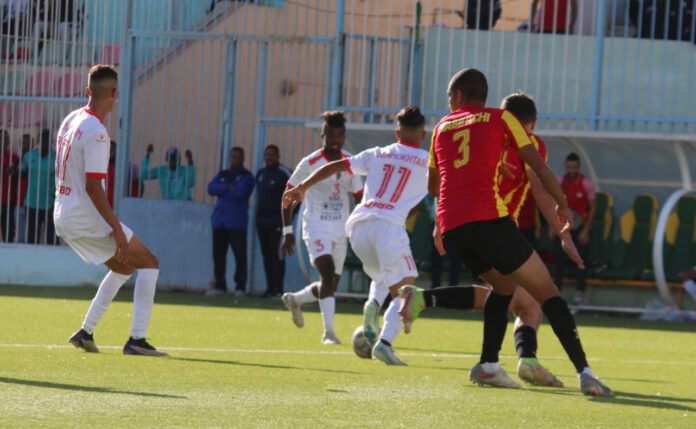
x=534, y=277
x=529, y=317
x=414, y=300
x=327, y=302
x=238, y=241
x=383, y=350
x=364, y=246
x=147, y=266
x=220, y=245
x=371, y=309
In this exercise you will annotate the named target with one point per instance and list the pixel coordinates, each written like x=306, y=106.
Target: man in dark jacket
x=270, y=185
x=229, y=220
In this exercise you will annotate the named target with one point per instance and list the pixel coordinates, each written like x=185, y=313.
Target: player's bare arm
x=287, y=246
x=530, y=155
x=547, y=206
x=292, y=197
x=95, y=191
x=434, y=190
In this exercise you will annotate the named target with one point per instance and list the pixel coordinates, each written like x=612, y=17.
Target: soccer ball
x=360, y=345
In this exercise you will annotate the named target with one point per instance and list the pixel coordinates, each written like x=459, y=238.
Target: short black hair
x=471, y=82
x=522, y=106
x=333, y=119
x=410, y=117
x=99, y=74
x=573, y=157
x=237, y=149
x=272, y=147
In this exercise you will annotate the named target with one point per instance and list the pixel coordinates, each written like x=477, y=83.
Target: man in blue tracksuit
x=270, y=185
x=233, y=188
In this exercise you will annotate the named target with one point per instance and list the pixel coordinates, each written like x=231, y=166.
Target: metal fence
x=203, y=76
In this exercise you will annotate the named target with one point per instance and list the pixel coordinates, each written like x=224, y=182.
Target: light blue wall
x=640, y=78
x=178, y=232
x=32, y=265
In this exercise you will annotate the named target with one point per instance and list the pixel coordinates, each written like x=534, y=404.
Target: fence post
x=258, y=156
x=417, y=60
x=337, y=56
x=124, y=105
x=228, y=108
x=598, y=63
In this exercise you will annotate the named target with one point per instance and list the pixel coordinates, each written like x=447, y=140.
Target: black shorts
x=483, y=245
x=529, y=234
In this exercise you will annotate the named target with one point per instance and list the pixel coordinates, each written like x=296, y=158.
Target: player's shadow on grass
x=628, y=398
x=77, y=387
x=261, y=365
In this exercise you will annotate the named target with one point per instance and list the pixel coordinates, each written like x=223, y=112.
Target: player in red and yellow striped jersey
x=466, y=164
x=514, y=188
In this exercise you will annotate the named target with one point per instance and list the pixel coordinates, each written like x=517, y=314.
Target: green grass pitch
x=242, y=363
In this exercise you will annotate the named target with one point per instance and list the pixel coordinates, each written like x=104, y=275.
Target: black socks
x=494, y=324
x=563, y=324
x=457, y=297
x=526, y=342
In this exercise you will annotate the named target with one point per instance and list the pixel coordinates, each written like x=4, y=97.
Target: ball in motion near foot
x=360, y=345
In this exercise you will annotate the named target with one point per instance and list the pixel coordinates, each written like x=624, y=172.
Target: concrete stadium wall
x=178, y=232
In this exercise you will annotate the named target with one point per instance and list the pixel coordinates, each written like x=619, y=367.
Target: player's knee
x=154, y=261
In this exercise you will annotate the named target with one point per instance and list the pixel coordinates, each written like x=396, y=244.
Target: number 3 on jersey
x=462, y=137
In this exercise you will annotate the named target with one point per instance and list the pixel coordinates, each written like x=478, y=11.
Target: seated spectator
x=175, y=179
x=689, y=277
x=660, y=19
x=481, y=14
x=40, y=167
x=8, y=187
x=133, y=185
x=553, y=17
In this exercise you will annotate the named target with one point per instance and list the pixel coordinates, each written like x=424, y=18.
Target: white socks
x=392, y=322
x=490, y=367
x=587, y=371
x=379, y=294
x=107, y=291
x=143, y=299
x=328, y=309
x=305, y=295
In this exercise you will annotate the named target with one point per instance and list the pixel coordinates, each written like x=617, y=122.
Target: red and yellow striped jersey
x=466, y=148
x=515, y=190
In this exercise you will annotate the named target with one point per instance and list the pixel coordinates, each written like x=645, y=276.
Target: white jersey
x=327, y=203
x=83, y=151
x=396, y=182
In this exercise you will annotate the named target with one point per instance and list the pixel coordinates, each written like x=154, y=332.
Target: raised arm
x=293, y=196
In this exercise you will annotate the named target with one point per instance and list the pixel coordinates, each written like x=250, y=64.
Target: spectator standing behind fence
x=8, y=187
x=175, y=180
x=581, y=196
x=25, y=144
x=270, y=185
x=455, y=266
x=553, y=17
x=40, y=167
x=133, y=186
x=233, y=188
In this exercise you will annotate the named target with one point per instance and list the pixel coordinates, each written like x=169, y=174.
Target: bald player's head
x=102, y=82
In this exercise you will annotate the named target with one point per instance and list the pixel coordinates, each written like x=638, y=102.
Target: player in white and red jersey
x=85, y=220
x=323, y=224
x=396, y=183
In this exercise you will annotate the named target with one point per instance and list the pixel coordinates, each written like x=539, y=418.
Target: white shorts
x=385, y=251
x=97, y=250
x=320, y=245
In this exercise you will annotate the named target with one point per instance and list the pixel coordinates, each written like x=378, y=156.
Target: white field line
x=339, y=353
